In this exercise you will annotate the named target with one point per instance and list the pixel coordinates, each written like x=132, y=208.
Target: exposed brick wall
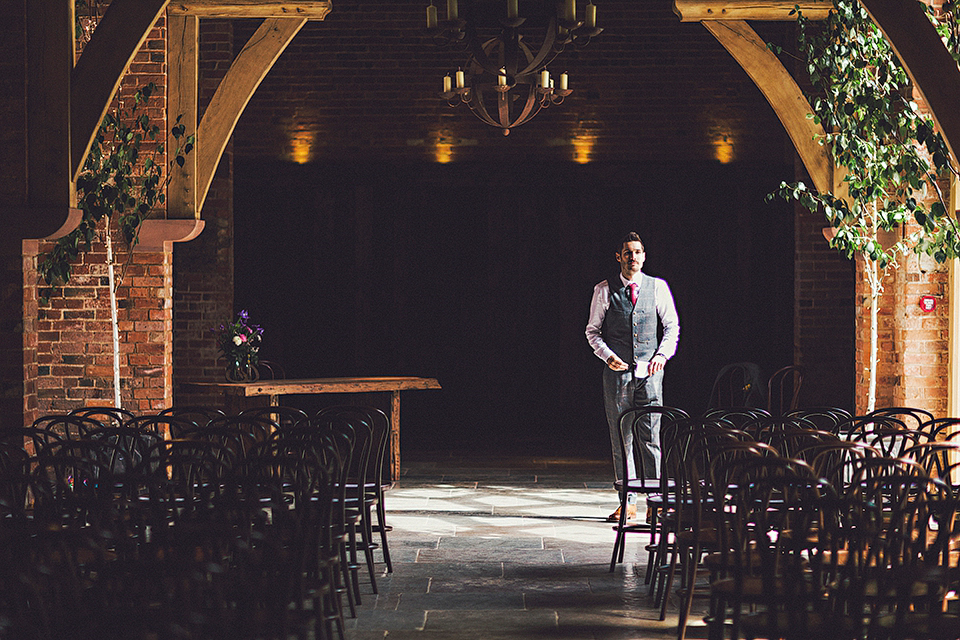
x=203, y=295
x=74, y=335
x=823, y=315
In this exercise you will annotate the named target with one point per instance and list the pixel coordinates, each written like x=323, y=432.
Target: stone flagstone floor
x=508, y=548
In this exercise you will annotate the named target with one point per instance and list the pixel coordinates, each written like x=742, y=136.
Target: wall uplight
x=302, y=145
x=723, y=149
x=583, y=147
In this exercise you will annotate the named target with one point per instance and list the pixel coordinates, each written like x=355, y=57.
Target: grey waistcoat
x=631, y=330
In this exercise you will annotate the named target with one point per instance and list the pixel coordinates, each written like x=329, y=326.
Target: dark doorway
x=482, y=278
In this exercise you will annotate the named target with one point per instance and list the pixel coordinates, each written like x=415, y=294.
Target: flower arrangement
x=239, y=343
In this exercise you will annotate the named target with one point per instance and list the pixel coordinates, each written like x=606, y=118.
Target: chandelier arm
x=480, y=55
x=480, y=109
x=544, y=56
x=530, y=109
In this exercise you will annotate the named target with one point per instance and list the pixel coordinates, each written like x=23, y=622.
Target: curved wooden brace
x=156, y=235
x=238, y=85
x=783, y=94
x=926, y=60
x=102, y=65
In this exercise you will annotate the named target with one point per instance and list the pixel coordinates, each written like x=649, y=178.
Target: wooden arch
x=69, y=100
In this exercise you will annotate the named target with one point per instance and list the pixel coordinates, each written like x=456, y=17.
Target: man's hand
x=616, y=364
x=656, y=364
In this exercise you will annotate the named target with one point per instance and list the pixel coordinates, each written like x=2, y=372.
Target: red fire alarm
x=928, y=303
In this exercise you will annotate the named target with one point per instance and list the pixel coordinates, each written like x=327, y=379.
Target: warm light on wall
x=583, y=147
x=443, y=146
x=301, y=146
x=723, y=149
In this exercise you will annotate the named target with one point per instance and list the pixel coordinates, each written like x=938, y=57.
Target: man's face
x=631, y=258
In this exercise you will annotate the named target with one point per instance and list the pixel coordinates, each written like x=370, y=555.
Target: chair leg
x=651, y=548
x=690, y=573
x=382, y=526
x=664, y=596
x=368, y=544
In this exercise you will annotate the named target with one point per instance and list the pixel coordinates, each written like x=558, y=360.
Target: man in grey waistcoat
x=622, y=330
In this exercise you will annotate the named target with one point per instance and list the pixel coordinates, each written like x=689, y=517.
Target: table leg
x=394, y=436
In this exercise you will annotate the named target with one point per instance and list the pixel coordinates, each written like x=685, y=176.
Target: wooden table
x=273, y=389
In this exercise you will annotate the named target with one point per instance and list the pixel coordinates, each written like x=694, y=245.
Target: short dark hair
x=633, y=236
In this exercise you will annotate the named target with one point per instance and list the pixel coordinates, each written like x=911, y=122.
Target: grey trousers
x=621, y=391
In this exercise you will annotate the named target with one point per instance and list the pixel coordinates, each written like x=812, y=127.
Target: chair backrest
x=737, y=385
x=825, y=418
x=124, y=447
x=939, y=460
x=912, y=417
x=282, y=417
x=68, y=427
x=764, y=428
x=736, y=417
x=108, y=416
x=164, y=425
x=270, y=370
x=887, y=434
x=770, y=524
x=836, y=461
x=257, y=427
x=632, y=421
x=783, y=390
x=197, y=414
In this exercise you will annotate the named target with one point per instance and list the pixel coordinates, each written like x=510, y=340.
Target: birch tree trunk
x=873, y=277
x=111, y=280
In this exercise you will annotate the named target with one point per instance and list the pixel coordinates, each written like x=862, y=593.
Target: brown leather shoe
x=631, y=514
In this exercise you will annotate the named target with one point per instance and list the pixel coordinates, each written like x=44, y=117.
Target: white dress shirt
x=666, y=312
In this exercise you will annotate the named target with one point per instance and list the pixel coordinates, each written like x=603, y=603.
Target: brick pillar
x=823, y=315
x=203, y=288
x=74, y=362
x=913, y=351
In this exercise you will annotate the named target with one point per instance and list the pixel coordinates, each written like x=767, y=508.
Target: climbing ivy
x=118, y=181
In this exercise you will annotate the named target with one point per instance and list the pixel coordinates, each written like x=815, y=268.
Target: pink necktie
x=633, y=292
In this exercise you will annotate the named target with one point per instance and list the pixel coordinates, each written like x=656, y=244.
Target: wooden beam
x=50, y=43
x=50, y=189
x=238, y=85
x=104, y=61
x=782, y=92
x=312, y=9
x=182, y=75
x=925, y=59
x=700, y=10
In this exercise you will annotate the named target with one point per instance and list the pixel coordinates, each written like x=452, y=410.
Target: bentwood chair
x=770, y=517
x=737, y=385
x=644, y=481
x=689, y=449
x=893, y=575
x=366, y=447
x=783, y=390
